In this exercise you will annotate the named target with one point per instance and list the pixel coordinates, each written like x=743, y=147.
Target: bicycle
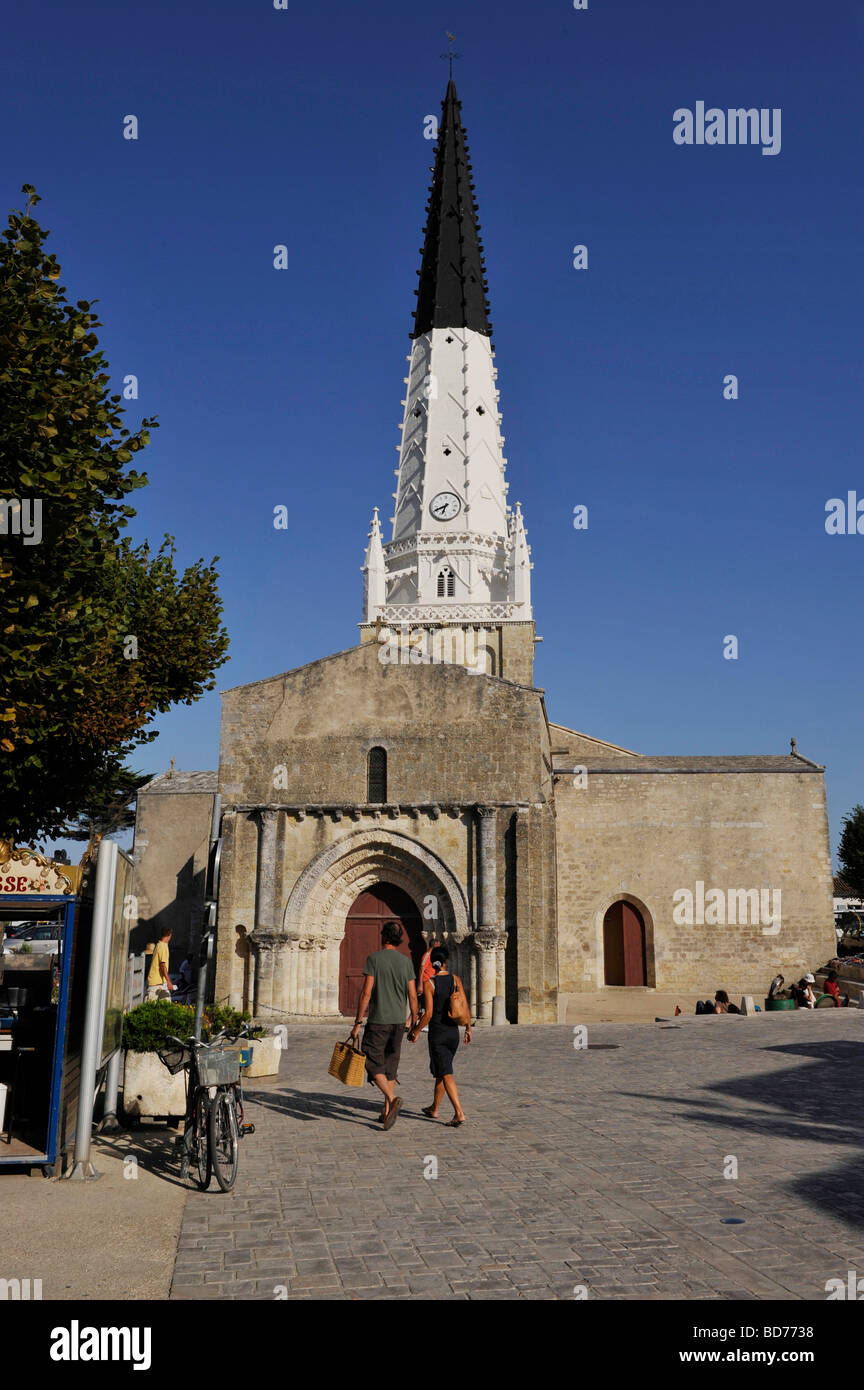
x=214, y=1122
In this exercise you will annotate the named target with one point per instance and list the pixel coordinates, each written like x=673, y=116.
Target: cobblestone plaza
x=591, y=1172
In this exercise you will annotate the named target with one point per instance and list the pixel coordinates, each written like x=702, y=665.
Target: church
x=417, y=776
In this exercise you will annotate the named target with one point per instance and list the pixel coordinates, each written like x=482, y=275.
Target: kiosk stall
x=35, y=977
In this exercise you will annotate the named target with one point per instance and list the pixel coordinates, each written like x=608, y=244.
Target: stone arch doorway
x=624, y=945
x=306, y=971
x=383, y=902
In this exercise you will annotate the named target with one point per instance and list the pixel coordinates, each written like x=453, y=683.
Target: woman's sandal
x=454, y=1123
x=427, y=1110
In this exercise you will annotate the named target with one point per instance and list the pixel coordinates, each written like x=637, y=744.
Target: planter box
x=150, y=1089
x=266, y=1053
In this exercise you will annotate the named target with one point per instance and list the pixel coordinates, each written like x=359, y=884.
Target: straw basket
x=348, y=1064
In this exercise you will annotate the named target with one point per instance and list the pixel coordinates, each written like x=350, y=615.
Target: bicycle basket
x=174, y=1058
x=218, y=1066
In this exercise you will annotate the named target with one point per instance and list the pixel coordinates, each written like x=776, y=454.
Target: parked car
x=13, y=929
x=41, y=937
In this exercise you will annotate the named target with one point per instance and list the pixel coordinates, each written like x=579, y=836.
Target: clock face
x=445, y=506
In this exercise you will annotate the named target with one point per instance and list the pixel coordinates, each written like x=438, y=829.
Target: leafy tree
x=851, y=851
x=98, y=635
x=110, y=810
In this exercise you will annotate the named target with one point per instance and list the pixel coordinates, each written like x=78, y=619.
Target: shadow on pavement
x=152, y=1146
x=820, y=1101
x=323, y=1105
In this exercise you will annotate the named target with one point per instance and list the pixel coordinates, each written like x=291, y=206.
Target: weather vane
x=451, y=55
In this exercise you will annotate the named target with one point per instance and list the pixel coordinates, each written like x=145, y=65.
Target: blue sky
x=259, y=127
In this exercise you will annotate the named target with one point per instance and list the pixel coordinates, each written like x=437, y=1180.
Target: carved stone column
x=501, y=958
x=488, y=868
x=487, y=971
x=487, y=934
x=265, y=906
x=271, y=946
x=284, y=952
x=267, y=962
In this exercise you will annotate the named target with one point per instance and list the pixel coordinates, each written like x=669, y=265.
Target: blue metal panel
x=60, y=1030
x=22, y=899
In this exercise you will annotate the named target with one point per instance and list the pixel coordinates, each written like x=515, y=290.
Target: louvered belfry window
x=446, y=584
x=377, y=774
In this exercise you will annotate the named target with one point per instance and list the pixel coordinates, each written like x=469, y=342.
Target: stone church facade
x=417, y=775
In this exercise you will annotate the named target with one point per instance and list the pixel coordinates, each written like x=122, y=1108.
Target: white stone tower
x=456, y=575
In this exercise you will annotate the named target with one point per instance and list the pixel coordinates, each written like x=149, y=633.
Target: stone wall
x=642, y=836
x=301, y=840
x=172, y=841
x=452, y=736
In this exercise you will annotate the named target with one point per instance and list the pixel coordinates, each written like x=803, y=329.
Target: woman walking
x=443, y=1035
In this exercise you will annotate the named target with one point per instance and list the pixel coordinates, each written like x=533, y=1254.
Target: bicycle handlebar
x=223, y=1033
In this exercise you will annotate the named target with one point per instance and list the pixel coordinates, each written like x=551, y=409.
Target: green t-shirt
x=392, y=971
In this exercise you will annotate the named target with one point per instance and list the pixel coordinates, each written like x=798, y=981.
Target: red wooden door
x=383, y=903
x=624, y=946
x=634, y=945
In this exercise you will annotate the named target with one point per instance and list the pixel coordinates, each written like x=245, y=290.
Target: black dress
x=443, y=1034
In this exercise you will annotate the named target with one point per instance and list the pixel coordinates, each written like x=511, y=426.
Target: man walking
x=389, y=992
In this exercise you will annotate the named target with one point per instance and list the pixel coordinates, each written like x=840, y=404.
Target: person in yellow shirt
x=158, y=979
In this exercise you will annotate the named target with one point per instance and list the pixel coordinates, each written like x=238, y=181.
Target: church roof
x=202, y=783
x=452, y=291
x=750, y=763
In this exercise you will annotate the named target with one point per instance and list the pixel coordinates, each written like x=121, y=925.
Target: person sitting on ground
x=832, y=988
x=719, y=1005
x=722, y=1005
x=803, y=993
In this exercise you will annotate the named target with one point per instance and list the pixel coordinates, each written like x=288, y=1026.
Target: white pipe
x=100, y=937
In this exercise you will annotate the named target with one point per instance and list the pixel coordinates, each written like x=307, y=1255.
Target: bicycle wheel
x=201, y=1140
x=224, y=1139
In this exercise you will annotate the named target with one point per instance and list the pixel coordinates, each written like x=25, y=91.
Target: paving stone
x=608, y=1176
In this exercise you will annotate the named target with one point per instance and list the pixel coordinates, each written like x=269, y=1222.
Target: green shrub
x=146, y=1027
x=219, y=1016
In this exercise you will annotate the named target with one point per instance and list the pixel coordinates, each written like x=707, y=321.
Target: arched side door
x=624, y=961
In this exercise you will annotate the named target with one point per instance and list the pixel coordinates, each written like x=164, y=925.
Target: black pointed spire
x=452, y=291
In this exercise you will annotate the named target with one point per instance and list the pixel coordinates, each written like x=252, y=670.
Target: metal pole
x=204, y=958
x=207, y=941
x=109, y=1123
x=216, y=817
x=100, y=936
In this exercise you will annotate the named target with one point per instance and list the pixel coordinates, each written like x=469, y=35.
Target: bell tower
x=454, y=581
